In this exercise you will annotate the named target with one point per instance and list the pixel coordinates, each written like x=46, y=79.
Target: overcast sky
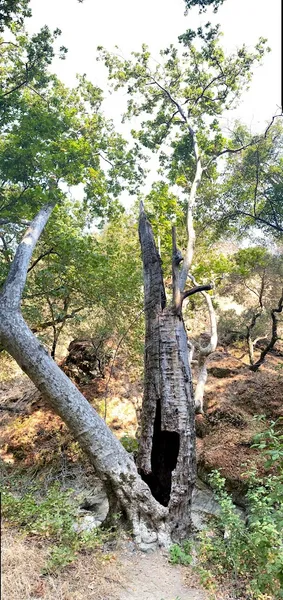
x=129, y=23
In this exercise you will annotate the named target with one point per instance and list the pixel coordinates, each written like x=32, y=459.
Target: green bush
x=251, y=551
x=181, y=554
x=52, y=518
x=247, y=551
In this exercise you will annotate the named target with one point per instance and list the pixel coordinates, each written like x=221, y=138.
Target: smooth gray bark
x=125, y=488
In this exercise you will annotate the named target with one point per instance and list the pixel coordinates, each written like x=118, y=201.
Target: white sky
x=129, y=23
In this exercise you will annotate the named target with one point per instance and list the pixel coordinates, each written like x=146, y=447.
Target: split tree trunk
x=167, y=444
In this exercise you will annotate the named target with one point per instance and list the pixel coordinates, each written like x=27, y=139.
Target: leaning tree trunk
x=167, y=444
x=125, y=488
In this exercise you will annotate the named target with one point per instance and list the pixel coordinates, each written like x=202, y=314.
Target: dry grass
x=92, y=577
x=9, y=368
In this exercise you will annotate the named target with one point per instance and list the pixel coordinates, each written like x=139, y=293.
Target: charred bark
x=166, y=458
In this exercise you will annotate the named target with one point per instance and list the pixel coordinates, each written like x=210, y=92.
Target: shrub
x=181, y=555
x=251, y=550
x=51, y=518
x=247, y=551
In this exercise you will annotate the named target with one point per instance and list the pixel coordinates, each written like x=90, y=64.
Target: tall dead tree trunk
x=166, y=458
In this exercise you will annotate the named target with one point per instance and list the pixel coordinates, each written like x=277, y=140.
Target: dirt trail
x=151, y=577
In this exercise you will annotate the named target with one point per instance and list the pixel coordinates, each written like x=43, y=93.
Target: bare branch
x=274, y=334
x=197, y=289
x=40, y=257
x=271, y=122
x=54, y=321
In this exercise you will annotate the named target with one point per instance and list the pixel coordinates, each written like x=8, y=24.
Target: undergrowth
x=52, y=518
x=249, y=552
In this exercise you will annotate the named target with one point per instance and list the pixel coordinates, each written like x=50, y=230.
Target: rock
x=94, y=507
x=148, y=547
x=205, y=506
x=148, y=537
x=87, y=523
x=98, y=504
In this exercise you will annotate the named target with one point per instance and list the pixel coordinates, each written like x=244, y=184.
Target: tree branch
x=230, y=151
x=274, y=335
x=17, y=87
x=41, y=256
x=167, y=93
x=196, y=289
x=15, y=282
x=257, y=218
x=60, y=319
x=271, y=122
x=190, y=223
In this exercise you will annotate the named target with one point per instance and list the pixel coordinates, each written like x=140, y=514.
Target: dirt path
x=151, y=577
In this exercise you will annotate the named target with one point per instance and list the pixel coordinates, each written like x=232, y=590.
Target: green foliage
x=52, y=140
x=250, y=259
x=200, y=82
x=254, y=280
x=174, y=102
x=51, y=518
x=164, y=210
x=270, y=442
x=251, y=190
x=251, y=550
x=13, y=12
x=130, y=444
x=203, y=5
x=181, y=554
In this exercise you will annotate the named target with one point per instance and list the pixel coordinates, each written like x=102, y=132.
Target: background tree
x=179, y=103
x=66, y=139
x=255, y=282
x=184, y=96
x=251, y=191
